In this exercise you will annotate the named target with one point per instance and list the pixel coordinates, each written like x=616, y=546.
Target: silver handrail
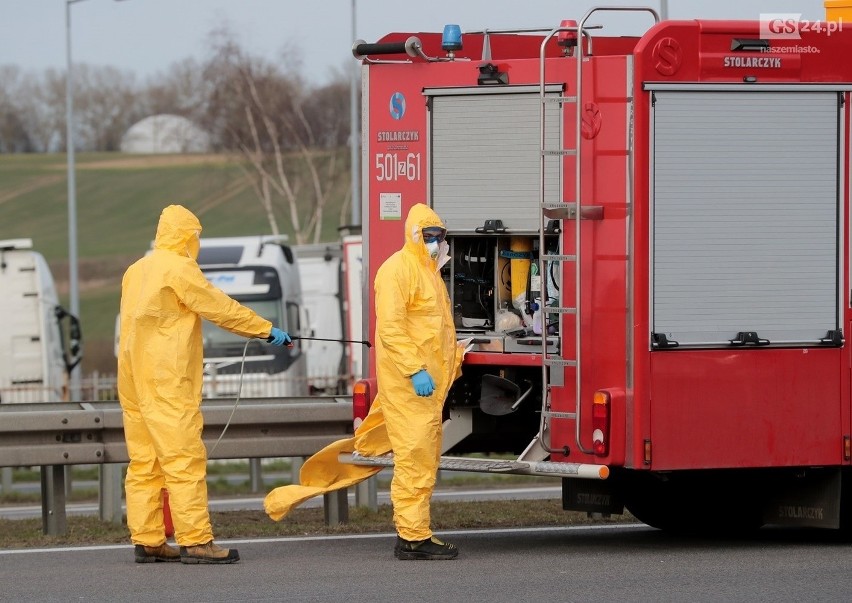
x=583, y=34
x=578, y=189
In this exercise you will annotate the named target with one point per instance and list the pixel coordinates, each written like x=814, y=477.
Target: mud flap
x=811, y=499
x=591, y=497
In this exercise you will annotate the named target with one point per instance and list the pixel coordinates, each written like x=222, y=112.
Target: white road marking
x=114, y=547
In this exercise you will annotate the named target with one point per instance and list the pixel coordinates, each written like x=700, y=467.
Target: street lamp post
x=74, y=293
x=110, y=478
x=366, y=492
x=73, y=278
x=354, y=133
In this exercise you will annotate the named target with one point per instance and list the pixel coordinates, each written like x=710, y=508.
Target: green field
x=119, y=199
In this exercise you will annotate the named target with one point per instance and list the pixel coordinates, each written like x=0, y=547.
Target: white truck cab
x=331, y=320
x=40, y=342
x=260, y=272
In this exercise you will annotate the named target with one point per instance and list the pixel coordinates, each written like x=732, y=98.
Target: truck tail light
x=361, y=399
x=600, y=423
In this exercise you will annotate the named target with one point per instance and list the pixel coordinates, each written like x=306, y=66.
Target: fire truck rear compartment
x=498, y=433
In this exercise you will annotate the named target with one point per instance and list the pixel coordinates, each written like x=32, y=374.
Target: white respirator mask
x=433, y=247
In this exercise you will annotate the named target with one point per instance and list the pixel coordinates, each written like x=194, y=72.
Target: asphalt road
x=599, y=564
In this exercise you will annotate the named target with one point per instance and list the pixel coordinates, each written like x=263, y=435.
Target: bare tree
x=181, y=90
x=276, y=135
x=329, y=113
x=52, y=98
x=105, y=106
x=14, y=136
x=42, y=112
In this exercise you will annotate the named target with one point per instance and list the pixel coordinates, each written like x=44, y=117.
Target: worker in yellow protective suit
x=164, y=295
x=417, y=359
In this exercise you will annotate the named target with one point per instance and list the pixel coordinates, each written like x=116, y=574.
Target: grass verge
x=27, y=533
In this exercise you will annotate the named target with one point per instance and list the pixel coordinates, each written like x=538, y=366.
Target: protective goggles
x=434, y=233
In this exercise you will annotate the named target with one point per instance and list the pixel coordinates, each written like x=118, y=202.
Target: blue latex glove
x=278, y=337
x=423, y=383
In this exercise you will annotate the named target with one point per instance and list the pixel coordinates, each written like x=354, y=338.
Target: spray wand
x=361, y=341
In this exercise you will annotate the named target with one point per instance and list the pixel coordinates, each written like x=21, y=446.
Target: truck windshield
x=219, y=342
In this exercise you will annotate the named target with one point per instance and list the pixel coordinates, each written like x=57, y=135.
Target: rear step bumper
x=450, y=463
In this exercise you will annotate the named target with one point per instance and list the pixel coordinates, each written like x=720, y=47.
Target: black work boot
x=207, y=553
x=151, y=554
x=431, y=548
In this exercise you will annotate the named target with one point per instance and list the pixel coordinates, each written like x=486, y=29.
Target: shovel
x=500, y=396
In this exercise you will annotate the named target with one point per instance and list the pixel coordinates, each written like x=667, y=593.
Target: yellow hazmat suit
x=163, y=298
x=414, y=331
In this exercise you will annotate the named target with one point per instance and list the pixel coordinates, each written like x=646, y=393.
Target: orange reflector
x=847, y=448
x=603, y=472
x=647, y=452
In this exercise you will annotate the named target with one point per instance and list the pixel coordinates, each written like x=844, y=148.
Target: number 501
x=393, y=167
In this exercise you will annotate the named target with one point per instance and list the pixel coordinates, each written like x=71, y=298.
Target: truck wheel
x=693, y=504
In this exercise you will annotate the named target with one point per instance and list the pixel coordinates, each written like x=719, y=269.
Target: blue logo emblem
x=397, y=105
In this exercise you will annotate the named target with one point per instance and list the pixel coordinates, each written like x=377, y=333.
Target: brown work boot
x=150, y=554
x=208, y=553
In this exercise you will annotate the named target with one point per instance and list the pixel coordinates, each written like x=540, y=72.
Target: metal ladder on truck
x=564, y=210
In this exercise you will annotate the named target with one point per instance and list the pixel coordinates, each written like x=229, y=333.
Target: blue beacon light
x=451, y=39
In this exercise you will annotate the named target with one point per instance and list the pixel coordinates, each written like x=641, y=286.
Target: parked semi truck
x=260, y=272
x=331, y=293
x=40, y=342
x=650, y=243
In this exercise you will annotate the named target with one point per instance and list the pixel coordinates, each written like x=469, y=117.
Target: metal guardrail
x=74, y=433
x=51, y=435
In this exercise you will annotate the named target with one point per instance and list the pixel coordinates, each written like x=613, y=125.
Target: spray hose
x=236, y=402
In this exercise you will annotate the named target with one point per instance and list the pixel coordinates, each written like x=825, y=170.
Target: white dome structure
x=165, y=134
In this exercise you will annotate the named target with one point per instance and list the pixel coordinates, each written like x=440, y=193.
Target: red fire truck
x=650, y=242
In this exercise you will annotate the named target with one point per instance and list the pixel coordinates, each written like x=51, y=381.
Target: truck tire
x=693, y=503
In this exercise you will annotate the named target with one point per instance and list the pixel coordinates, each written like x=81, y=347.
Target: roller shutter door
x=485, y=158
x=745, y=216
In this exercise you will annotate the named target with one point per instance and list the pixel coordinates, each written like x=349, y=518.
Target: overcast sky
x=146, y=36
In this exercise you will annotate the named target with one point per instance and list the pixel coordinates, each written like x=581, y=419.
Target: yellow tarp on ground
x=323, y=473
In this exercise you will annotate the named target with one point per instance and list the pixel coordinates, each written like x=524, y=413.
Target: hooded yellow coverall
x=163, y=298
x=414, y=331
